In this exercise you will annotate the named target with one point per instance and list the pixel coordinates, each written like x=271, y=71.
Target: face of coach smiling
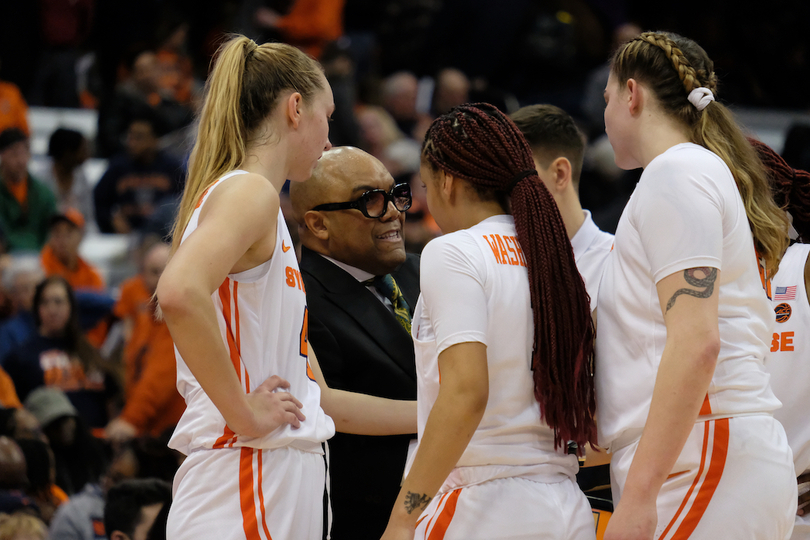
x=346, y=234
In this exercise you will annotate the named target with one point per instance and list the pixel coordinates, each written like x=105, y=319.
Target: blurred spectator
x=137, y=181
x=78, y=456
x=8, y=394
x=382, y=139
x=60, y=257
x=22, y=526
x=41, y=471
x=68, y=150
x=19, y=423
x=452, y=89
x=133, y=506
x=309, y=24
x=339, y=70
x=175, y=71
x=59, y=356
x=20, y=280
x=13, y=469
x=139, y=95
x=13, y=109
x=152, y=403
x=65, y=25
x=399, y=93
x=26, y=205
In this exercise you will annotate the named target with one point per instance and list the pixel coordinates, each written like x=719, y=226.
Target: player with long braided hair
x=684, y=323
x=503, y=339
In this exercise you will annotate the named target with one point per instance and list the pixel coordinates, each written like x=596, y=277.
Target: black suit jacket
x=361, y=348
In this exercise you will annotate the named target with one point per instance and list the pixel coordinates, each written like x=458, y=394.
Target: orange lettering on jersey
x=787, y=342
x=507, y=240
x=493, y=246
x=504, y=254
x=775, y=342
x=519, y=251
x=290, y=273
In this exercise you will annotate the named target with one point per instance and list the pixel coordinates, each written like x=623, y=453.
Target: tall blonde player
x=503, y=375
x=234, y=302
x=684, y=323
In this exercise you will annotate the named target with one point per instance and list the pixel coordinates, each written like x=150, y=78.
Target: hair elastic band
x=518, y=177
x=700, y=97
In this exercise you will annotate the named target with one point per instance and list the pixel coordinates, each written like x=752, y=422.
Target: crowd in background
x=86, y=371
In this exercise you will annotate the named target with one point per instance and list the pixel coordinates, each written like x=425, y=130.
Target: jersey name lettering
x=294, y=278
x=506, y=249
x=782, y=342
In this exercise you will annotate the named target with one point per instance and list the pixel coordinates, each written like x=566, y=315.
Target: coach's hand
x=804, y=499
x=636, y=522
x=271, y=407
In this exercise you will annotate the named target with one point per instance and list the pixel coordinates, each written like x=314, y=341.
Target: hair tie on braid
x=700, y=97
x=518, y=177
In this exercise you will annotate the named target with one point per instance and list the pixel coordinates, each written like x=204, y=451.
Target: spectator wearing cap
x=68, y=150
x=60, y=256
x=26, y=204
x=78, y=457
x=13, y=108
x=138, y=181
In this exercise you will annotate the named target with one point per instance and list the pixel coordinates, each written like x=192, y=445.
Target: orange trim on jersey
x=704, y=496
x=261, y=495
x=247, y=499
x=706, y=408
x=446, y=516
x=200, y=200
x=236, y=359
x=226, y=436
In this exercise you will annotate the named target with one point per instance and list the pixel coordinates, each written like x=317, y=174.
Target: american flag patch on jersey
x=784, y=293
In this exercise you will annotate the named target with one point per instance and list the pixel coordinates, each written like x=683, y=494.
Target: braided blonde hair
x=672, y=66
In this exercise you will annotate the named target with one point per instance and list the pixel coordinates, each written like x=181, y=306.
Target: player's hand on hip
x=273, y=407
x=632, y=523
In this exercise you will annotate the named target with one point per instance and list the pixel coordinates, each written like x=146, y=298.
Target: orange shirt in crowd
x=8, y=394
x=83, y=277
x=13, y=109
x=311, y=24
x=152, y=401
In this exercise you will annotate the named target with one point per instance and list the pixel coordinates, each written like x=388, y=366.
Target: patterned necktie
x=389, y=289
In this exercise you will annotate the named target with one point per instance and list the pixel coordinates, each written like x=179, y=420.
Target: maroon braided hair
x=478, y=143
x=790, y=187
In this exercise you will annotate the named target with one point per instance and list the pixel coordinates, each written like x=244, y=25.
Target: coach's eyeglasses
x=374, y=204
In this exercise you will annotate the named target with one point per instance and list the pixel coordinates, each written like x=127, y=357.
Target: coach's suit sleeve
x=330, y=355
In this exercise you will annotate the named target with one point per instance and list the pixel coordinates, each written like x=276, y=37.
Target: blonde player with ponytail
x=234, y=302
x=683, y=401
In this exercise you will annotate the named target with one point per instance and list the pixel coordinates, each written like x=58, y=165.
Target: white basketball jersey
x=686, y=212
x=475, y=288
x=262, y=316
x=789, y=358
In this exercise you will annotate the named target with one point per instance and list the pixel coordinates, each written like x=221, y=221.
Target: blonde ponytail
x=241, y=92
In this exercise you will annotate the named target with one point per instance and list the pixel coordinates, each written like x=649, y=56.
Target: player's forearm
x=192, y=323
x=362, y=414
x=449, y=429
x=684, y=375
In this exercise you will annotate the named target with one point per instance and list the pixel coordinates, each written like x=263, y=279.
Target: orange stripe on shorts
x=247, y=494
x=445, y=517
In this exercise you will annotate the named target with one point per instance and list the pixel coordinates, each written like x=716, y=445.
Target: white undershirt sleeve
x=452, y=281
x=681, y=223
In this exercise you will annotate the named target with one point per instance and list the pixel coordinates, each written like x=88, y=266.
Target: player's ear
x=561, y=170
x=317, y=225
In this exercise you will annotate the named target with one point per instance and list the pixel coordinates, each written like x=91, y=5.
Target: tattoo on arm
x=706, y=282
x=416, y=501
